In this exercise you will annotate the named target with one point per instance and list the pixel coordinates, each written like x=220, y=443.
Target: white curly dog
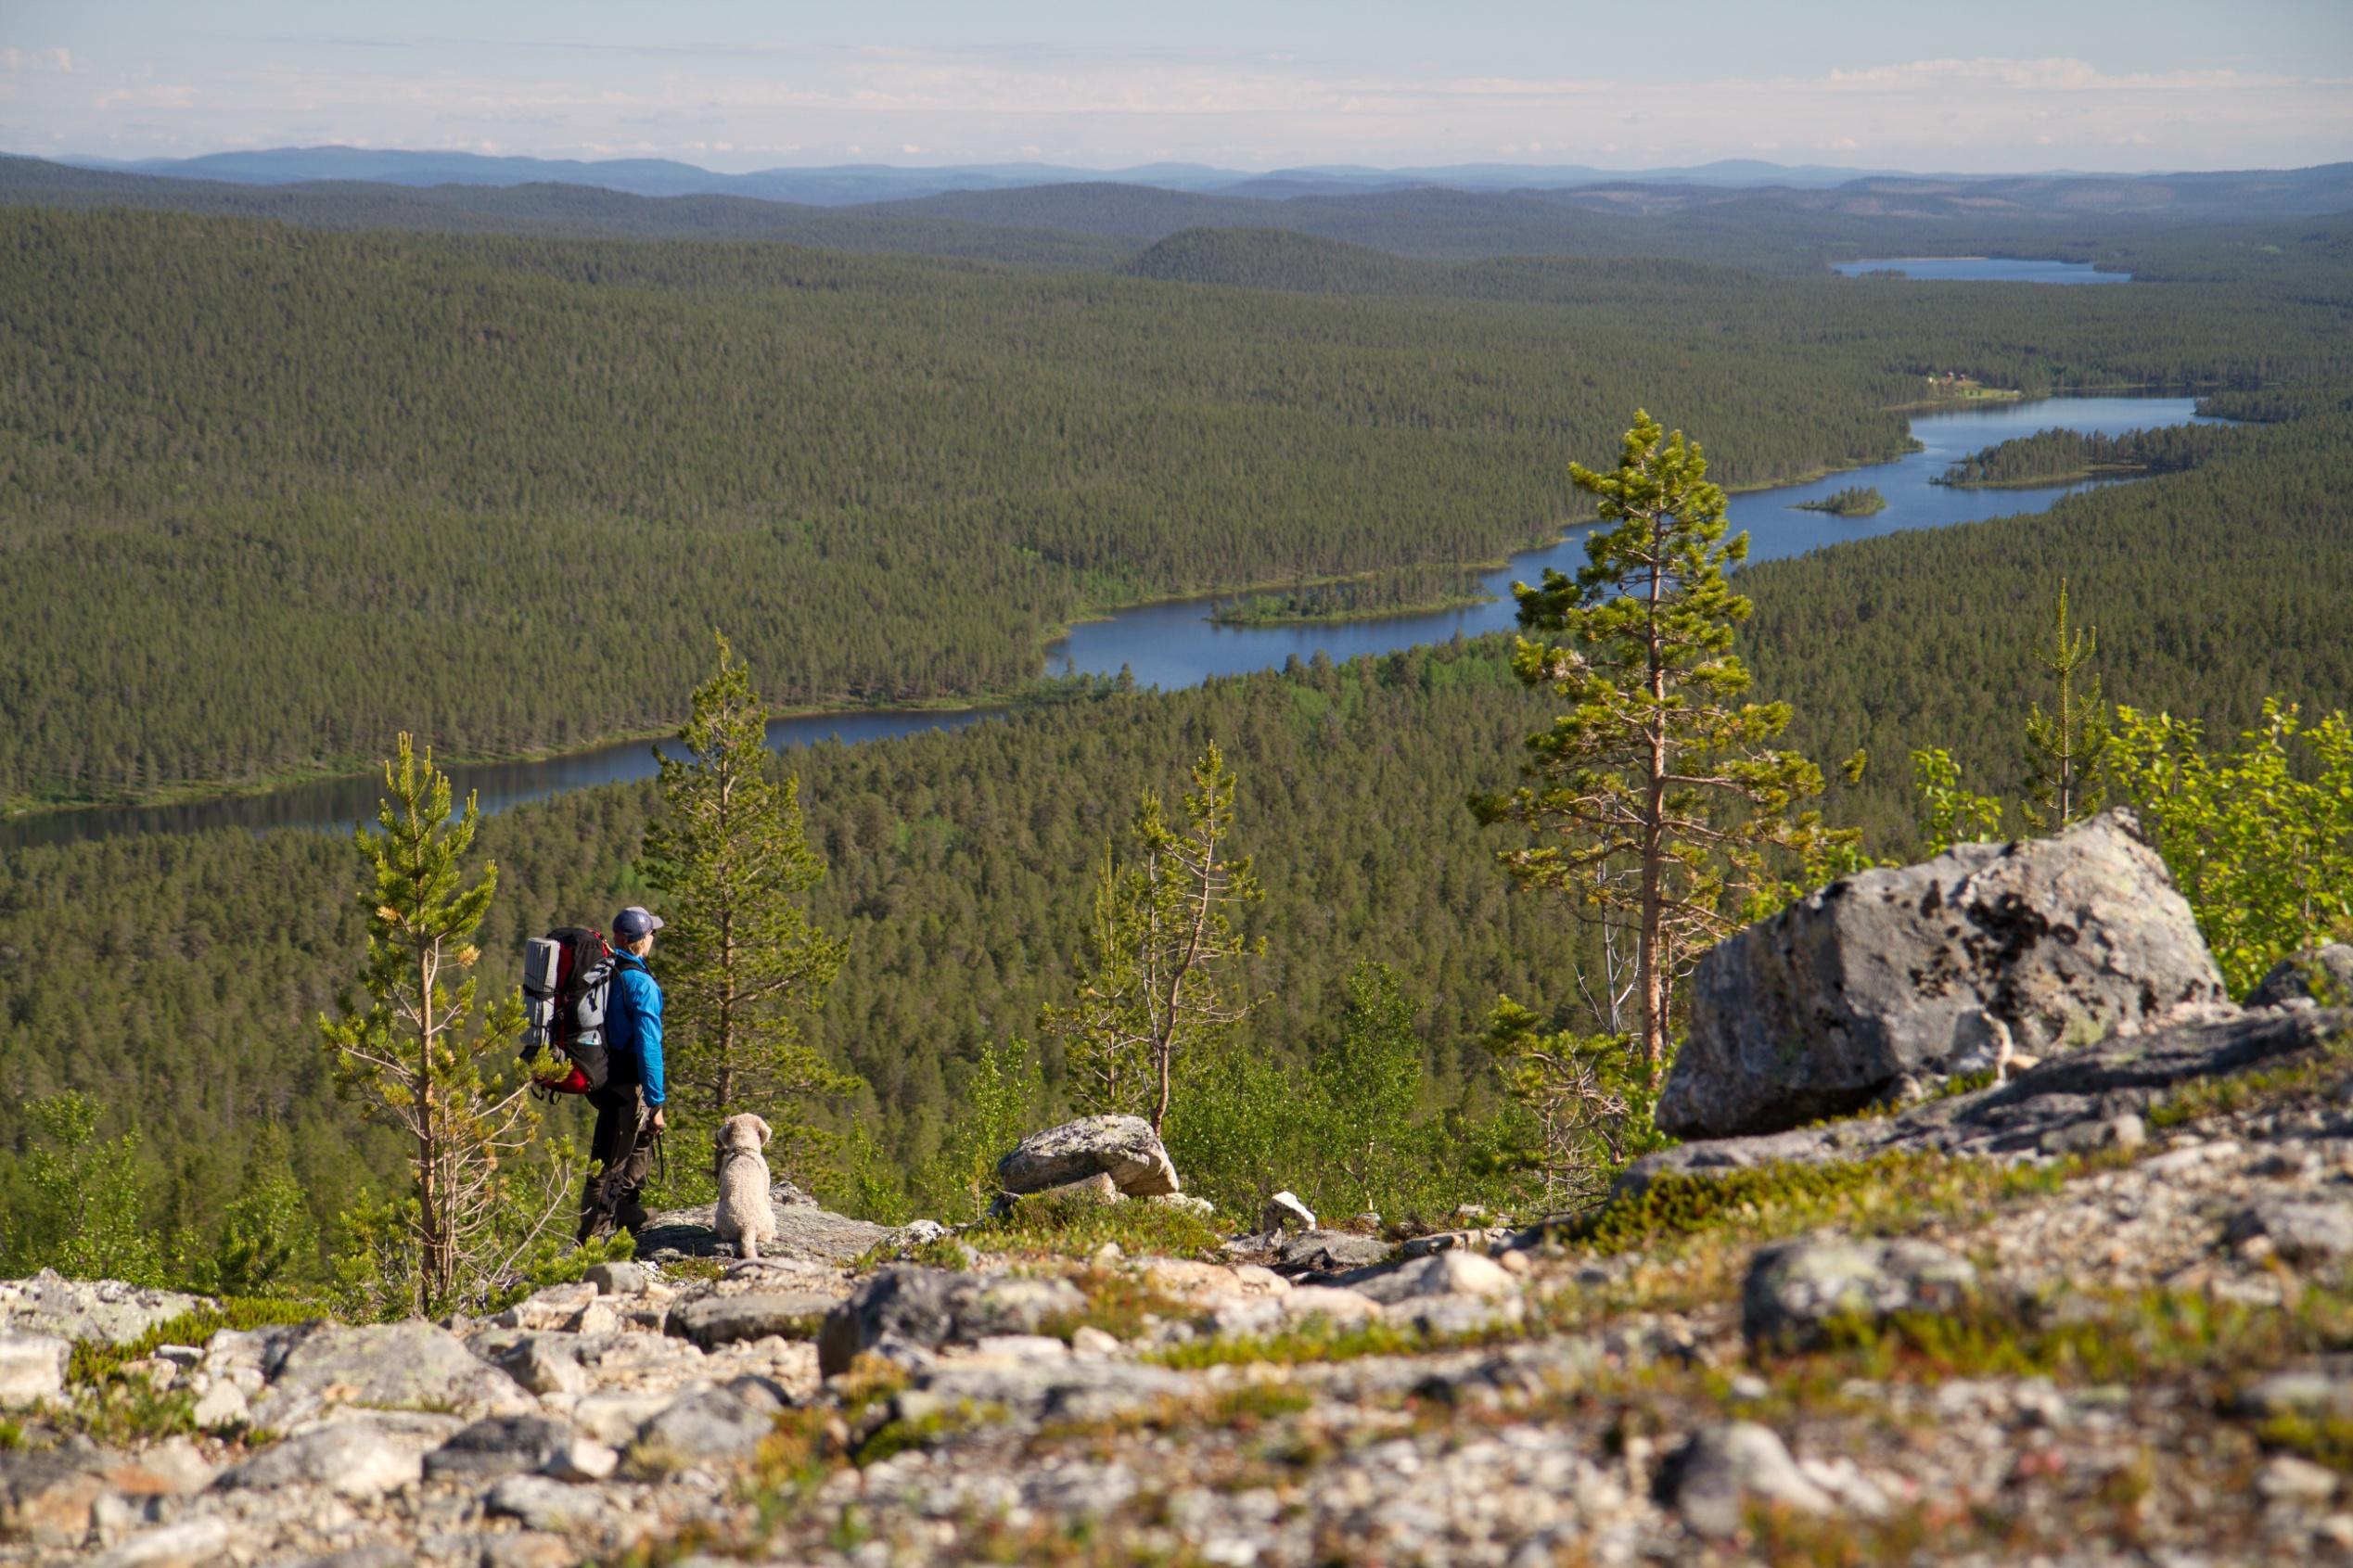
x=743, y=1215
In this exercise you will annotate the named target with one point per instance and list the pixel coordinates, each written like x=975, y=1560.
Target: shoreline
x=1039, y=688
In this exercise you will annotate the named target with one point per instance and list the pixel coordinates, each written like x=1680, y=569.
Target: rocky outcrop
x=804, y=1233
x=2074, y=1102
x=1928, y=970
x=1125, y=1148
x=104, y=1311
x=319, y=1366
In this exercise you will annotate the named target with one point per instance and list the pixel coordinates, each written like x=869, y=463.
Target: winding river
x=1173, y=645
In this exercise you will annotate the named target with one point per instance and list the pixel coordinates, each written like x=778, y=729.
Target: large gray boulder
x=1125, y=1148
x=1924, y=970
x=1797, y=1291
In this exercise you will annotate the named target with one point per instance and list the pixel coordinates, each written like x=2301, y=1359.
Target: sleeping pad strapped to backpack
x=565, y=975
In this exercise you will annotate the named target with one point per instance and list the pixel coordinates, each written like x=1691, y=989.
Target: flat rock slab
x=2085, y=1088
x=105, y=1310
x=31, y=1368
x=410, y=1366
x=1330, y=1252
x=1932, y=969
x=727, y=1319
x=803, y=1232
x=1124, y=1148
x=935, y=1306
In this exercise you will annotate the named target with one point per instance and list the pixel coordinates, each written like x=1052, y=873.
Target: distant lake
x=1981, y=269
x=1175, y=644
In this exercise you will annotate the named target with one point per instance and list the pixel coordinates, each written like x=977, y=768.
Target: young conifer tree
x=418, y=1055
x=739, y=957
x=2067, y=747
x=1154, y=993
x=1655, y=794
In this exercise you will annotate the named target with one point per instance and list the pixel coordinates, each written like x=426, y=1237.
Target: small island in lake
x=1855, y=500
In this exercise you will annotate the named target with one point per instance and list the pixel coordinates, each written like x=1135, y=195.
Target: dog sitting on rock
x=743, y=1215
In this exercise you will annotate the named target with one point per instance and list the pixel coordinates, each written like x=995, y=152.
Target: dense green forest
x=2049, y=456
x=372, y=481
x=178, y=976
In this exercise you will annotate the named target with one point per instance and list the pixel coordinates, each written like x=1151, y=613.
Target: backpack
x=567, y=976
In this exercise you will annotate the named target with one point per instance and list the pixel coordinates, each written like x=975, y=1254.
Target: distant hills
x=848, y=185
x=1044, y=217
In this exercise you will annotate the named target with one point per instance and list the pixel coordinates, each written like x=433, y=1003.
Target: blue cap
x=633, y=924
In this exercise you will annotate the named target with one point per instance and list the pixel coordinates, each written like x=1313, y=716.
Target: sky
x=1961, y=86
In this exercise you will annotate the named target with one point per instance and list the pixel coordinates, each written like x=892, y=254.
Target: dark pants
x=621, y=1152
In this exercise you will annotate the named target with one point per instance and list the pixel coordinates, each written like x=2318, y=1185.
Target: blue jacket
x=634, y=1026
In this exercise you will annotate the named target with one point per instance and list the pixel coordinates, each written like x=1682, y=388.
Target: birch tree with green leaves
x=740, y=959
x=1657, y=796
x=421, y=1056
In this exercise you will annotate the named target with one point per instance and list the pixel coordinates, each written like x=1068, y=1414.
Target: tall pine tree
x=740, y=959
x=1655, y=794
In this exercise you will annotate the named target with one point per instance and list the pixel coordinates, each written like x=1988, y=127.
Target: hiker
x=629, y=1105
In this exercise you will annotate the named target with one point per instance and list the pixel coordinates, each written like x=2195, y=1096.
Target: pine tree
x=2066, y=747
x=418, y=1055
x=740, y=957
x=1655, y=793
x=1154, y=992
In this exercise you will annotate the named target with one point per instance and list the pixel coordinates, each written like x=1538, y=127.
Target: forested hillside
x=179, y=976
x=469, y=470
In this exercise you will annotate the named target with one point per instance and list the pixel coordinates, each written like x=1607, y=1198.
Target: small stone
x=1088, y=1340
x=550, y=1308
x=2309, y=1394
x=222, y=1405
x=544, y=1363
x=1284, y=1211
x=596, y=1317
x=583, y=1459
x=31, y=1368
x=2290, y=1478
x=1720, y=1470
x=617, y=1278
x=2125, y=1132
x=1185, y=1201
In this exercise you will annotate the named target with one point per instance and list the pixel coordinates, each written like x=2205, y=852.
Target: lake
x=1174, y=644
x=1981, y=269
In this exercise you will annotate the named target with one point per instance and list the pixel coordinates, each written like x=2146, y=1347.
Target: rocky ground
x=2114, y=1331
x=2097, y=1310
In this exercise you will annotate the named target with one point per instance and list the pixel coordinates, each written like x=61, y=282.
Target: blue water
x=1981, y=269
x=1174, y=644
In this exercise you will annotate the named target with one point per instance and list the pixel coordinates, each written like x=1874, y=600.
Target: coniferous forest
x=272, y=493
x=366, y=481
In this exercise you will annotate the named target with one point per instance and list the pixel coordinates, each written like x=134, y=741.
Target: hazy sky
x=1961, y=85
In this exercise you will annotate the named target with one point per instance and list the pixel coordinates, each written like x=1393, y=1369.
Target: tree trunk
x=1649, y=959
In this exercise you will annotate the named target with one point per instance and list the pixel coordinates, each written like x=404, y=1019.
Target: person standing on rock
x=628, y=1108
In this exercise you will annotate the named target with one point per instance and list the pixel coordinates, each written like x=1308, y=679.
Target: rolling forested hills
x=368, y=482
